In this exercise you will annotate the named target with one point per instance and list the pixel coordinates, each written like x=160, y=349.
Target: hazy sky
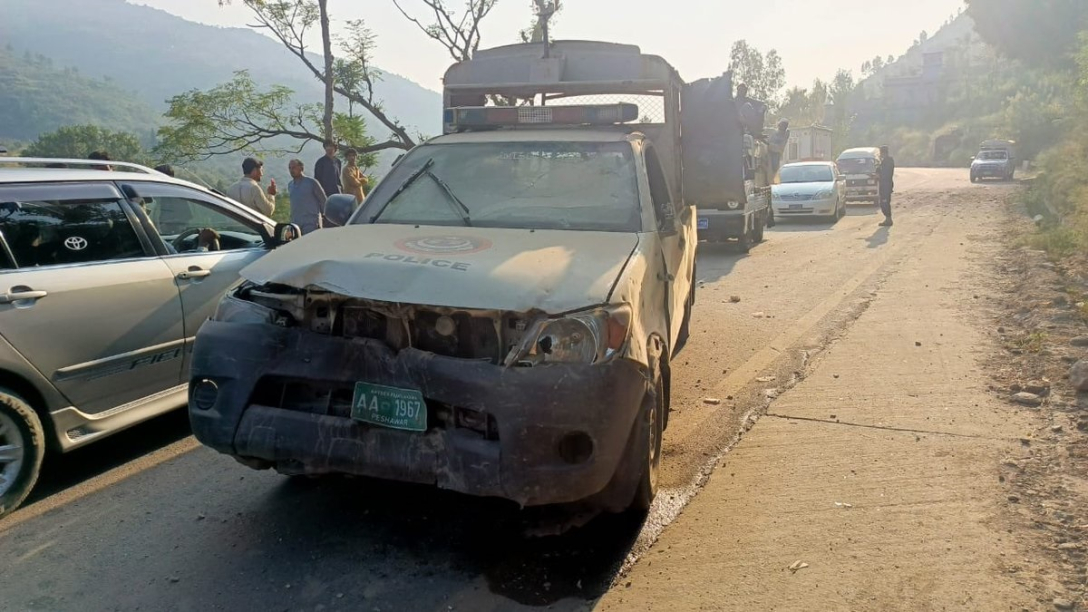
x=814, y=37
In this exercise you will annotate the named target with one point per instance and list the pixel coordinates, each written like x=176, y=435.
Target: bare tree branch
x=458, y=33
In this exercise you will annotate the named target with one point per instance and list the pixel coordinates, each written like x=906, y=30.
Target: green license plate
x=389, y=407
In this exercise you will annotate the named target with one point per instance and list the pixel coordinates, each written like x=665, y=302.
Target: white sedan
x=809, y=189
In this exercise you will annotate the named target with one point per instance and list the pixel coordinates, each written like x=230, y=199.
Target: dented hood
x=472, y=268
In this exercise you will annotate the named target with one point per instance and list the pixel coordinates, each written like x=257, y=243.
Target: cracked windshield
x=517, y=185
x=516, y=305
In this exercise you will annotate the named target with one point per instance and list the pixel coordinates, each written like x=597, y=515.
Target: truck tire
x=974, y=179
x=647, y=438
x=747, y=239
x=22, y=450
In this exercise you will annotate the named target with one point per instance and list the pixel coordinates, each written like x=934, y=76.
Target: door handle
x=23, y=295
x=194, y=272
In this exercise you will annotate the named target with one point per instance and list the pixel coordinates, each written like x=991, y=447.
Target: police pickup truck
x=499, y=318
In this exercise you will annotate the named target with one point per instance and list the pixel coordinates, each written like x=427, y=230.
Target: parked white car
x=809, y=189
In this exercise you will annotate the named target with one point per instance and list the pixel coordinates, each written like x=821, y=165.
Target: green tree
x=763, y=74
x=543, y=12
x=1037, y=32
x=239, y=116
x=292, y=22
x=77, y=141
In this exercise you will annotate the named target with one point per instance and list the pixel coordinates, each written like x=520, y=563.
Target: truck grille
x=460, y=334
x=334, y=399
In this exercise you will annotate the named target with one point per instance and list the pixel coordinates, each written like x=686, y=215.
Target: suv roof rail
x=92, y=163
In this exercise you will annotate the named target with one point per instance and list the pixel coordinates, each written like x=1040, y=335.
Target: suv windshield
x=857, y=165
x=993, y=155
x=528, y=185
x=806, y=174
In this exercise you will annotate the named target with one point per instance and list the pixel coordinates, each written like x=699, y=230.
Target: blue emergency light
x=499, y=116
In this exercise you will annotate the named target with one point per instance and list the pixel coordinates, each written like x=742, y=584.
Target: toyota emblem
x=75, y=243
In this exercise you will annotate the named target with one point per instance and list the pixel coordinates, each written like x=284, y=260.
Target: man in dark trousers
x=887, y=184
x=327, y=170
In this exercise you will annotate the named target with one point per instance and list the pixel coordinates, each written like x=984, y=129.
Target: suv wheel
x=22, y=449
x=650, y=428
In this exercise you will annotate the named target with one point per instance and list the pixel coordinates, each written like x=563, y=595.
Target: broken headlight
x=235, y=310
x=592, y=336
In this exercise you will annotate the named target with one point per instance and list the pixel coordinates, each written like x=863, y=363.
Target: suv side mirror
x=284, y=233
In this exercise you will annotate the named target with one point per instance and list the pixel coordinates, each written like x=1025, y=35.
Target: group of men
x=307, y=195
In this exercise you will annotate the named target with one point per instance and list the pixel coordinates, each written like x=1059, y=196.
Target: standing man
x=327, y=170
x=248, y=190
x=353, y=179
x=101, y=156
x=778, y=142
x=751, y=112
x=887, y=184
x=307, y=199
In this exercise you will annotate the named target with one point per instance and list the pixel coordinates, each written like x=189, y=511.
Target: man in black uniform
x=887, y=184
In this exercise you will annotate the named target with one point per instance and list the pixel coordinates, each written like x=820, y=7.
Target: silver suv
x=105, y=277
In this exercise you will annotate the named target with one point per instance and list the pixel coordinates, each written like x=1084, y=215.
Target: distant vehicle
x=995, y=159
x=105, y=279
x=499, y=316
x=809, y=189
x=812, y=143
x=861, y=167
x=731, y=192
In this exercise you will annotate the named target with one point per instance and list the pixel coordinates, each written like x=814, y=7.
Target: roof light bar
x=499, y=116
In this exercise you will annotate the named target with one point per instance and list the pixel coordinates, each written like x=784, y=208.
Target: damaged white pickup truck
x=497, y=319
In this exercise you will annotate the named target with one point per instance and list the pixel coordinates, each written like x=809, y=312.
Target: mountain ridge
x=165, y=55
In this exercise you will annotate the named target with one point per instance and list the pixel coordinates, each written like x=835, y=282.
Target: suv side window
x=659, y=187
x=182, y=219
x=66, y=227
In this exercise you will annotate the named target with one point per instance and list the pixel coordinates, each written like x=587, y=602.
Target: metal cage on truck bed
x=706, y=166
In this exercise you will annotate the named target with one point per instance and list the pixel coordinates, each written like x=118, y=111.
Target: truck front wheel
x=648, y=433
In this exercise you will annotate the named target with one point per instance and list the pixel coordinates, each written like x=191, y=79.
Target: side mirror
x=284, y=233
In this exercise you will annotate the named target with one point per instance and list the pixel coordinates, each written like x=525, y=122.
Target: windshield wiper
x=466, y=214
x=405, y=185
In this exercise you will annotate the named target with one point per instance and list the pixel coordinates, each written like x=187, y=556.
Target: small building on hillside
x=811, y=143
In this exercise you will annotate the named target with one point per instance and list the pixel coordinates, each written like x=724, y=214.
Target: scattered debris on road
x=1078, y=375
x=797, y=566
x=1027, y=399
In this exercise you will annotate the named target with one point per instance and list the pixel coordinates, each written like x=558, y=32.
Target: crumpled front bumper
x=534, y=411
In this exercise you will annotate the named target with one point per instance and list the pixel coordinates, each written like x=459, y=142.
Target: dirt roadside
x=898, y=475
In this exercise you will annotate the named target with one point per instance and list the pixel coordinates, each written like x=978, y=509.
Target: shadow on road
x=372, y=526
x=61, y=472
x=803, y=224
x=716, y=260
x=861, y=210
x=878, y=238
